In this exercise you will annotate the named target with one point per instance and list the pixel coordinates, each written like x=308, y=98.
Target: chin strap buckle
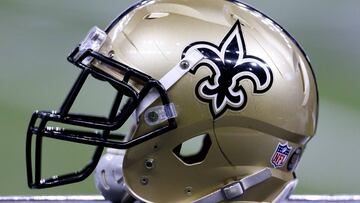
x=233, y=191
x=236, y=189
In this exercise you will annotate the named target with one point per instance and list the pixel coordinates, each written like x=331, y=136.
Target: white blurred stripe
x=77, y=198
x=96, y=198
x=324, y=198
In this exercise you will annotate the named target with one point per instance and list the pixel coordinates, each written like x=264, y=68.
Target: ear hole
x=194, y=150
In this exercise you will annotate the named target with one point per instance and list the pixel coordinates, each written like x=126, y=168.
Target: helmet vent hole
x=194, y=150
x=152, y=16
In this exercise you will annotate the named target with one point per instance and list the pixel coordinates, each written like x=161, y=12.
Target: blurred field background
x=37, y=35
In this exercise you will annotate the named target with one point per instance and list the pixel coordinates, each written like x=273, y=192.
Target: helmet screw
x=111, y=54
x=188, y=190
x=184, y=64
x=149, y=164
x=144, y=180
x=153, y=116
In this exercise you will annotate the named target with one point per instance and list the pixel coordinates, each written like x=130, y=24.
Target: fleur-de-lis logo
x=229, y=64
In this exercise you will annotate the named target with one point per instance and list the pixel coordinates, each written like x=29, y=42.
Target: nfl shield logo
x=280, y=155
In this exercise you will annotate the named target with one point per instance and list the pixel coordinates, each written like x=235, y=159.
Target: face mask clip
x=158, y=114
x=93, y=41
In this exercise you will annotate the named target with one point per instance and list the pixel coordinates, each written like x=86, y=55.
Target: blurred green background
x=37, y=35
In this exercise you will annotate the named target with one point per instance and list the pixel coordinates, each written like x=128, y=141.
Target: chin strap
x=236, y=189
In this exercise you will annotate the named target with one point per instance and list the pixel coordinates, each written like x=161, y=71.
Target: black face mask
x=104, y=126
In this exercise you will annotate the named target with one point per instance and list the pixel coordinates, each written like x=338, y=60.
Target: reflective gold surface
x=152, y=37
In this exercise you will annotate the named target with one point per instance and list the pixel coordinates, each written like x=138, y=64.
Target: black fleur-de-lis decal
x=229, y=65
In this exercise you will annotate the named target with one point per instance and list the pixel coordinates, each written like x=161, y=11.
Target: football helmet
x=222, y=101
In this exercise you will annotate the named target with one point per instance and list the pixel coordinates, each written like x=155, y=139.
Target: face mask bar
x=102, y=138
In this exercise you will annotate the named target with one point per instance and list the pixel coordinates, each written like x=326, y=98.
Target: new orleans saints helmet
x=223, y=101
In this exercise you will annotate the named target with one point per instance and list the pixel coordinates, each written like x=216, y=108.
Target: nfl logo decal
x=280, y=155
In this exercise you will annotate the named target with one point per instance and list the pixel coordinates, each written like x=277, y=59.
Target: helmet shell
x=152, y=37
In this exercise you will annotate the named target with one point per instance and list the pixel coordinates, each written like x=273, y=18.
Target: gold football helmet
x=223, y=101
